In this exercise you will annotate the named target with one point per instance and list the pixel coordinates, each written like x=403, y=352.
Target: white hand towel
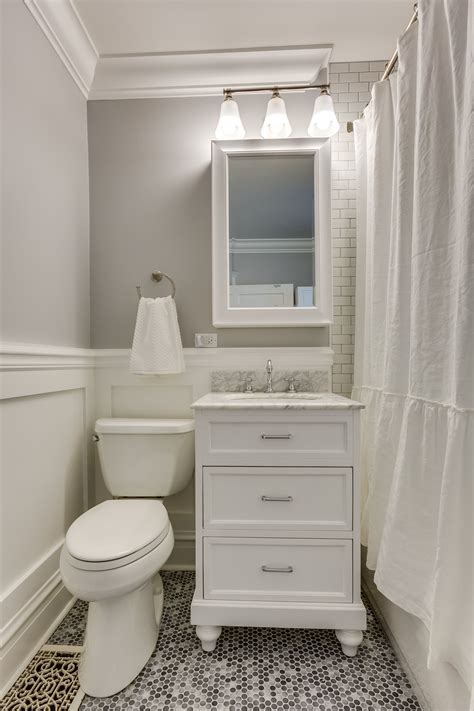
x=157, y=346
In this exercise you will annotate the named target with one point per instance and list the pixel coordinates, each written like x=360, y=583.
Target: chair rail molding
x=317, y=357
x=32, y=356
x=69, y=37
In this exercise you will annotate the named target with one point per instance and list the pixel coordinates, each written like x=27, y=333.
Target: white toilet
x=113, y=552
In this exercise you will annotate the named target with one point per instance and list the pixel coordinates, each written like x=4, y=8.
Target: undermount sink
x=275, y=396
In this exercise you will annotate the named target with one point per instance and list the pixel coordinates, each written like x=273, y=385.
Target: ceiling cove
x=170, y=74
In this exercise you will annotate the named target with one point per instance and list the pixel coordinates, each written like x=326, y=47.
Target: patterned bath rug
x=50, y=682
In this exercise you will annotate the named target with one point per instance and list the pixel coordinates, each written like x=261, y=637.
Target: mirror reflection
x=271, y=231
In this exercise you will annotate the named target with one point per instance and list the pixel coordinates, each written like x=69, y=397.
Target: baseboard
x=396, y=648
x=183, y=556
x=21, y=648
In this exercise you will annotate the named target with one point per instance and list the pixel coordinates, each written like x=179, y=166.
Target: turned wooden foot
x=350, y=641
x=208, y=634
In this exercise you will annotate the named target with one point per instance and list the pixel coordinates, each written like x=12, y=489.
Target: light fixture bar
x=291, y=87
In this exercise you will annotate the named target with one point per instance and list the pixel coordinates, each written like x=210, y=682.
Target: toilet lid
x=117, y=529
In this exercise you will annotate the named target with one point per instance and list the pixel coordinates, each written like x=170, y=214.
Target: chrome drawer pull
x=277, y=498
x=270, y=569
x=287, y=436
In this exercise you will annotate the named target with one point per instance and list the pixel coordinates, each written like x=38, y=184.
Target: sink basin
x=257, y=397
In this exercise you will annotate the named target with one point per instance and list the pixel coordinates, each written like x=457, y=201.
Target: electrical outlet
x=205, y=340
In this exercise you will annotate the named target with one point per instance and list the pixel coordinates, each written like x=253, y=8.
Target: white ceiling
x=358, y=29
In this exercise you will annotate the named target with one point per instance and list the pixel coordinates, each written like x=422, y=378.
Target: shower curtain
x=414, y=354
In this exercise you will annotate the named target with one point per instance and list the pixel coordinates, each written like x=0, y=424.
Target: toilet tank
x=145, y=457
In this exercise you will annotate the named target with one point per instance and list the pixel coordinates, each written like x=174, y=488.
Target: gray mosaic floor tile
x=72, y=628
x=253, y=669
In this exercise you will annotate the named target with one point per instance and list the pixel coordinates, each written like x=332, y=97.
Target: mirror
x=271, y=235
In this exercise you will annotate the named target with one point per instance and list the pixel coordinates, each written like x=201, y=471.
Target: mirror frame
x=223, y=316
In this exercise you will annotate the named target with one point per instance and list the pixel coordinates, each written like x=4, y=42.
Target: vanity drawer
x=287, y=570
x=279, y=438
x=288, y=498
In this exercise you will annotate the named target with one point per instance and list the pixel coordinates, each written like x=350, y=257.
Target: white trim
x=234, y=358
x=293, y=245
x=16, y=660
x=27, y=356
x=225, y=316
x=172, y=74
x=20, y=601
x=205, y=73
x=68, y=36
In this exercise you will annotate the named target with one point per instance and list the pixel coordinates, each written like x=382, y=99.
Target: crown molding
x=205, y=73
x=65, y=31
x=173, y=74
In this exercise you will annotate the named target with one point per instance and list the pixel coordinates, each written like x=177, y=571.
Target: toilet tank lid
x=136, y=425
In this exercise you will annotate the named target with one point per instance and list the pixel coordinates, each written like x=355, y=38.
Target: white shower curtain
x=414, y=358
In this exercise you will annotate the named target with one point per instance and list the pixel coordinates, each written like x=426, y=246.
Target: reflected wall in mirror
x=271, y=233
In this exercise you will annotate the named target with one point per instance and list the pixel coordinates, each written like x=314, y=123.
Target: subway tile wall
x=351, y=83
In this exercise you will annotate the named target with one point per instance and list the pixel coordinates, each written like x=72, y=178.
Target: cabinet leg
x=350, y=641
x=208, y=634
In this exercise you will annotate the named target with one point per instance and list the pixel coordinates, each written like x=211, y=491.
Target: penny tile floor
x=252, y=668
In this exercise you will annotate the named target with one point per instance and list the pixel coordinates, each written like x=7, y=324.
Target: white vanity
x=277, y=514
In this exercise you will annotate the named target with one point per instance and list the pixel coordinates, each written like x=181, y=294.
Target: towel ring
x=158, y=276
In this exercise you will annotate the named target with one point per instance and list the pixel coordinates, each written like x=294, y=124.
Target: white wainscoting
x=50, y=399
x=47, y=411
x=121, y=394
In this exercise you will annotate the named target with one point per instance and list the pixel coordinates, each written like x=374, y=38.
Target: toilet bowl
x=112, y=554
x=111, y=558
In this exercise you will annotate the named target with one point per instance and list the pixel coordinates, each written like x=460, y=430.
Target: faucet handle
x=248, y=385
x=292, y=382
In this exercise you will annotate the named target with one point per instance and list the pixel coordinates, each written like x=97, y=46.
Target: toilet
x=112, y=554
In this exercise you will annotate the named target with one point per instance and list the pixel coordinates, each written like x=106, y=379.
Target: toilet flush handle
x=95, y=438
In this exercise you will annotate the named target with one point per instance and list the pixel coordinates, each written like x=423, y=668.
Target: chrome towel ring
x=158, y=276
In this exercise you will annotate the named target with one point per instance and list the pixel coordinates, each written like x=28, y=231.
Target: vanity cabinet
x=277, y=516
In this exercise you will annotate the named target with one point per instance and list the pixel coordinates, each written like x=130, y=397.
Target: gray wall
x=45, y=216
x=150, y=187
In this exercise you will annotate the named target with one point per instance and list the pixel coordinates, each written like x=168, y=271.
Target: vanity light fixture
x=323, y=121
x=276, y=124
x=230, y=124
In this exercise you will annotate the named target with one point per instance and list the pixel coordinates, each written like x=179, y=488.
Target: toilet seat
x=116, y=533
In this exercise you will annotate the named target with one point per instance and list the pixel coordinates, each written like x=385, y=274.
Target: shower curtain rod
x=390, y=66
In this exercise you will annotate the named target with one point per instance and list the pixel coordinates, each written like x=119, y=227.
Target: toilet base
x=121, y=634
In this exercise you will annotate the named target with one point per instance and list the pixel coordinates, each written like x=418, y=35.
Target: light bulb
x=276, y=123
x=323, y=121
x=230, y=125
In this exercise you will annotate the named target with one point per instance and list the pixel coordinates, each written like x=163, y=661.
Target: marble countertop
x=275, y=401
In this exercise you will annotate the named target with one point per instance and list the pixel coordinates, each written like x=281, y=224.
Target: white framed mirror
x=271, y=233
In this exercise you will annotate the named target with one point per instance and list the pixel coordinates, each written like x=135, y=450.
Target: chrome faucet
x=269, y=369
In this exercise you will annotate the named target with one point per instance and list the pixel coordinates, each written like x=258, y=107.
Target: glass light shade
x=230, y=124
x=276, y=123
x=323, y=121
